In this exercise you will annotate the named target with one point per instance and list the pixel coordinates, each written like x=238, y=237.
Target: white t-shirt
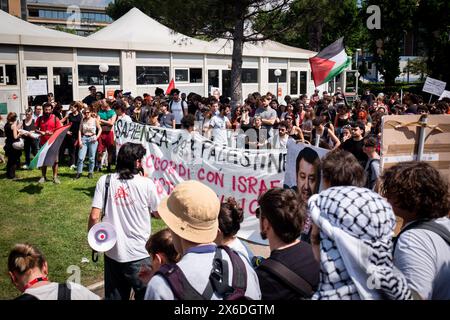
x=197, y=268
x=128, y=210
x=50, y=292
x=177, y=110
x=124, y=117
x=219, y=125
x=424, y=258
x=240, y=247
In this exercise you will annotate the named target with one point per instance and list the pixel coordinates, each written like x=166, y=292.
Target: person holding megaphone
x=127, y=200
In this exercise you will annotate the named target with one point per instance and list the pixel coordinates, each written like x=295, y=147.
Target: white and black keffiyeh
x=356, y=229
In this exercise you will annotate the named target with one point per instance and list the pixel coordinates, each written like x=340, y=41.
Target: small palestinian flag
x=329, y=62
x=48, y=154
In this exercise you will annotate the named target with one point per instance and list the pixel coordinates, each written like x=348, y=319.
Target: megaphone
x=102, y=237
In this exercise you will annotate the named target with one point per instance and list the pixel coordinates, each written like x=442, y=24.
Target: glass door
x=37, y=73
x=213, y=79
x=63, y=85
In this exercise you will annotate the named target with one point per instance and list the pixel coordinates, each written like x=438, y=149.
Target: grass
x=52, y=217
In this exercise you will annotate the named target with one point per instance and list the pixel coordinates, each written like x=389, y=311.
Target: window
x=90, y=75
x=11, y=74
x=273, y=79
x=2, y=74
x=196, y=75
x=249, y=75
x=152, y=75
x=303, y=81
x=181, y=75
x=294, y=82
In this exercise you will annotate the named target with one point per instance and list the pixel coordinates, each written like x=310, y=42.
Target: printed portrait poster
x=302, y=174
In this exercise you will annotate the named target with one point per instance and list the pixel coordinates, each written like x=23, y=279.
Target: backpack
x=429, y=225
x=218, y=279
x=288, y=277
x=64, y=293
x=182, y=105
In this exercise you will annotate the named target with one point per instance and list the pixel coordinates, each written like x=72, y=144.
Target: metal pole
x=423, y=122
x=407, y=74
x=278, y=81
x=104, y=92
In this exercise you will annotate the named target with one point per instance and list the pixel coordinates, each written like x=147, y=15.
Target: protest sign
x=400, y=142
x=445, y=94
x=174, y=156
x=36, y=87
x=434, y=86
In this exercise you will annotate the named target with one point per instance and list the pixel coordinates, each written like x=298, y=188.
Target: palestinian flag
x=48, y=154
x=329, y=62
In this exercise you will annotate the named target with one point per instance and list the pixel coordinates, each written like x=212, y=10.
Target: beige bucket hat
x=191, y=211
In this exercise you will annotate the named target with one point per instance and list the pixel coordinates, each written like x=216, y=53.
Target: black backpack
x=430, y=225
x=64, y=293
x=218, y=279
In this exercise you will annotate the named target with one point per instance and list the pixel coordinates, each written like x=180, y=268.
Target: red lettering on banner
x=242, y=184
x=253, y=205
x=252, y=181
x=275, y=184
x=262, y=187
x=200, y=174
x=164, y=165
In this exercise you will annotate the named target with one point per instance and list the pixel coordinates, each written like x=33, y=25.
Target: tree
x=233, y=20
x=417, y=66
x=318, y=23
x=433, y=28
x=385, y=43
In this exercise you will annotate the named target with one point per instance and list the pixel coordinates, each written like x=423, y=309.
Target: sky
x=89, y=3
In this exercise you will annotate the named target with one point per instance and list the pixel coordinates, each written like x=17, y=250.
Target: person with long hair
x=12, y=136
x=130, y=201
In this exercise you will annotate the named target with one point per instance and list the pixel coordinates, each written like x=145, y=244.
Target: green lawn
x=52, y=217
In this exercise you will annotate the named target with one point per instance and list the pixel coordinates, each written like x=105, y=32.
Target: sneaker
x=42, y=180
x=56, y=180
x=78, y=176
x=24, y=167
x=73, y=167
x=90, y=175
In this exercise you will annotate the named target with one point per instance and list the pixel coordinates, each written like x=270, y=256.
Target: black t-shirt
x=75, y=120
x=89, y=100
x=298, y=258
x=356, y=148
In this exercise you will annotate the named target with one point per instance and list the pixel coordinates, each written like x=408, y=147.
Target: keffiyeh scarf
x=356, y=228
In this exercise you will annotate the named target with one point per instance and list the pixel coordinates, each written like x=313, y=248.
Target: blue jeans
x=89, y=147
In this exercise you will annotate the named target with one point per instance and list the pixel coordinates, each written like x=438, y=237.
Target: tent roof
x=17, y=31
x=136, y=31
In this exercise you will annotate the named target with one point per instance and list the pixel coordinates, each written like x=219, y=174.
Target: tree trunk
x=315, y=35
x=236, y=63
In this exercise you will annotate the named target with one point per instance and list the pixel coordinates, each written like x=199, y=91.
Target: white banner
x=174, y=156
x=434, y=86
x=36, y=87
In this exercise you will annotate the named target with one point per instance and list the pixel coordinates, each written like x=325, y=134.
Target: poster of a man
x=307, y=170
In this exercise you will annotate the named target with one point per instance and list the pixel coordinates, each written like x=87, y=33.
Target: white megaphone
x=102, y=237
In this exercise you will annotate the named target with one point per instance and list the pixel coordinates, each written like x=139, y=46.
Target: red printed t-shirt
x=50, y=124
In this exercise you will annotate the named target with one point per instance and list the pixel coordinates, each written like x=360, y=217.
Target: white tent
x=17, y=31
x=137, y=31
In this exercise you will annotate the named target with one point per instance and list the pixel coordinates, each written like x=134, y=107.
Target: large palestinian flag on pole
x=48, y=154
x=329, y=62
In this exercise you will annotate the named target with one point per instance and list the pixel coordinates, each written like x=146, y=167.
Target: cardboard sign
x=400, y=141
x=434, y=86
x=36, y=87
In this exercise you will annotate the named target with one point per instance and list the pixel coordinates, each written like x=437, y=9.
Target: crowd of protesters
x=331, y=237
